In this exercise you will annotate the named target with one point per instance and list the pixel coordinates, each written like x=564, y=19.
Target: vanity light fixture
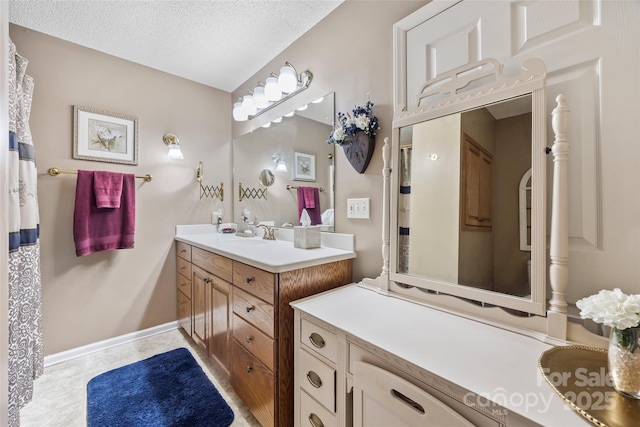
x=239, y=114
x=281, y=165
x=276, y=89
x=173, y=143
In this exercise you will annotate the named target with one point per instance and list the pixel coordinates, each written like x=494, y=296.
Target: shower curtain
x=404, y=208
x=26, y=358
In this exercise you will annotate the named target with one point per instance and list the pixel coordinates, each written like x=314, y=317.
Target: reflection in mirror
x=272, y=150
x=459, y=204
x=266, y=178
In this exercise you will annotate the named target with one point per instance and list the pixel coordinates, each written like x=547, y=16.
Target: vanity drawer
x=183, y=267
x=319, y=340
x=184, y=312
x=255, y=384
x=254, y=311
x=213, y=263
x=254, y=340
x=184, y=284
x=183, y=250
x=255, y=281
x=318, y=379
x=314, y=414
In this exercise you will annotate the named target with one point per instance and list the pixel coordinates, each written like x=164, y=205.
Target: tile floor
x=60, y=394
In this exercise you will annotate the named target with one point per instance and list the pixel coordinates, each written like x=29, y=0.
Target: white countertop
x=486, y=360
x=275, y=256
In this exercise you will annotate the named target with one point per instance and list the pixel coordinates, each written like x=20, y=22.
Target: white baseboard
x=74, y=353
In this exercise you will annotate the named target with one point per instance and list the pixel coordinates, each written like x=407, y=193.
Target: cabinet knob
x=250, y=309
x=317, y=340
x=315, y=420
x=248, y=280
x=314, y=379
x=207, y=281
x=248, y=339
x=249, y=368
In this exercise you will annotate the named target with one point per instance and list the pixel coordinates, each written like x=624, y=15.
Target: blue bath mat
x=166, y=390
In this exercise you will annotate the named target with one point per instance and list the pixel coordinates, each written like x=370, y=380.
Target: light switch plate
x=358, y=208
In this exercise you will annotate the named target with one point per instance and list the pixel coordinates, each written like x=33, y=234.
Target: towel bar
x=58, y=171
x=291, y=187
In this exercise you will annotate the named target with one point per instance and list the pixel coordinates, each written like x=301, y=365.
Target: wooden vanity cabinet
x=241, y=316
x=263, y=328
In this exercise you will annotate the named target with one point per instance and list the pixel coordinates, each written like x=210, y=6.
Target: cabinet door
x=476, y=193
x=199, y=291
x=220, y=322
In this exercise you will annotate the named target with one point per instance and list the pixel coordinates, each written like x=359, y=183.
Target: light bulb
x=259, y=98
x=248, y=106
x=287, y=80
x=271, y=89
x=238, y=113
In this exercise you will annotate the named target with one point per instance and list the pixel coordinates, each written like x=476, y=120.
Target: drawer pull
x=248, y=339
x=248, y=280
x=183, y=267
x=249, y=368
x=183, y=251
x=317, y=340
x=315, y=420
x=183, y=302
x=407, y=400
x=314, y=379
x=250, y=309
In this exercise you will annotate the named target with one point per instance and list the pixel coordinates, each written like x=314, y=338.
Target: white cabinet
x=393, y=359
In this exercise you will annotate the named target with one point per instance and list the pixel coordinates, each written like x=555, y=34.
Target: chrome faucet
x=268, y=232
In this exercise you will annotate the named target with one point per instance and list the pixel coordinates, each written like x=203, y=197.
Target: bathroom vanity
x=233, y=300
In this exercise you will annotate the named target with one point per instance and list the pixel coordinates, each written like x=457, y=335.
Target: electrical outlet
x=358, y=208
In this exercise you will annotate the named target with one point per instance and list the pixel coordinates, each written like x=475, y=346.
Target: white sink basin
x=246, y=242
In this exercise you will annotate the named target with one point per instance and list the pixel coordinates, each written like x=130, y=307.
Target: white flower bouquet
x=612, y=308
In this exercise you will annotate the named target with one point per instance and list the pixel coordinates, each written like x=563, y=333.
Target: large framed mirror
x=297, y=140
x=462, y=221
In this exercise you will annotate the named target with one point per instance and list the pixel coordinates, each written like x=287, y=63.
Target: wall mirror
x=458, y=209
x=304, y=131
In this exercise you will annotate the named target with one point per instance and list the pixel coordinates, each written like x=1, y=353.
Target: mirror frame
x=455, y=93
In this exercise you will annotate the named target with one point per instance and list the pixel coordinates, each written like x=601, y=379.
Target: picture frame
x=104, y=136
x=304, y=166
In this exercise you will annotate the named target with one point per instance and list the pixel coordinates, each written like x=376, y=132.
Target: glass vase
x=624, y=361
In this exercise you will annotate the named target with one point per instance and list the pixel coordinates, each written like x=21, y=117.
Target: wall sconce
x=281, y=165
x=174, y=146
x=276, y=89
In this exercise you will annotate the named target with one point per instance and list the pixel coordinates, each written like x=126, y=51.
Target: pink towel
x=95, y=229
x=309, y=199
x=107, y=187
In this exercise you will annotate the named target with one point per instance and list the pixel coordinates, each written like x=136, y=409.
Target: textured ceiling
x=220, y=43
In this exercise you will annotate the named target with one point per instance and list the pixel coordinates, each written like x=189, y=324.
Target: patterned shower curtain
x=404, y=208
x=26, y=357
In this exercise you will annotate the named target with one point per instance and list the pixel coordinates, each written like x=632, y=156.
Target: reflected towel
x=309, y=199
x=108, y=189
x=95, y=229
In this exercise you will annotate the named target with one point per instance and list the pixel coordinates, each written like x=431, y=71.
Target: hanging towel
x=95, y=229
x=107, y=187
x=309, y=199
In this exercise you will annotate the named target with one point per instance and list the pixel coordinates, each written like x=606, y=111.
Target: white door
x=591, y=52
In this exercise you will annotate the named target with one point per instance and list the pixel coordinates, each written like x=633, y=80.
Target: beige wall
x=350, y=53
x=107, y=294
